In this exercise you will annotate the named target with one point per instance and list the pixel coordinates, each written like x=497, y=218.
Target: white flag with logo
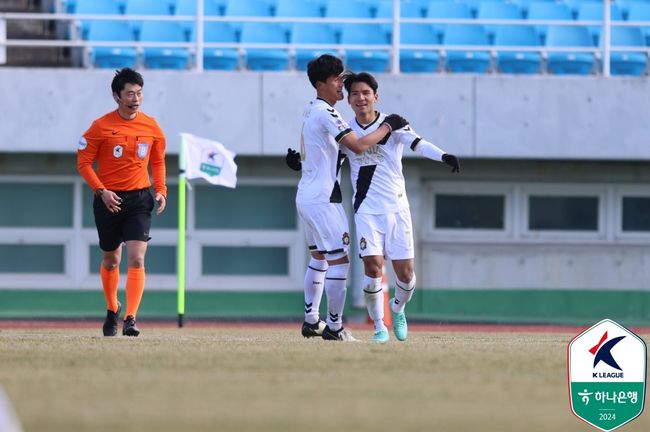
x=210, y=160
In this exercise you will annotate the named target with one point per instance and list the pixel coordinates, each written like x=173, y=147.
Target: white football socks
x=335, y=286
x=374, y=295
x=403, y=294
x=313, y=286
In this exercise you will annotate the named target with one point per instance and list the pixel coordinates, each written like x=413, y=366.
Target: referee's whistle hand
x=162, y=203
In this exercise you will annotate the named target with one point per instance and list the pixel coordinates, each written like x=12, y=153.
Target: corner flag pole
x=181, y=233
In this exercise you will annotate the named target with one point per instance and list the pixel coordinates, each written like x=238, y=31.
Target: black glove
x=452, y=161
x=395, y=121
x=293, y=160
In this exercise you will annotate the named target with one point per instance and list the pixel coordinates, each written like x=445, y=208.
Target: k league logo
x=607, y=375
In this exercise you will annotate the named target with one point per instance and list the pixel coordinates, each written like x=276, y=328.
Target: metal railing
x=603, y=52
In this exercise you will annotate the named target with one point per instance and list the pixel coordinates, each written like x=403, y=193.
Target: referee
x=124, y=143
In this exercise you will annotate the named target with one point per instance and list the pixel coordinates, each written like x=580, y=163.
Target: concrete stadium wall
x=539, y=117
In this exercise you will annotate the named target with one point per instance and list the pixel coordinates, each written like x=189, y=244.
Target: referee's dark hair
x=123, y=77
x=323, y=67
x=363, y=77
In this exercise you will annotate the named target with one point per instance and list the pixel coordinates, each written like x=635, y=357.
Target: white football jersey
x=322, y=129
x=376, y=174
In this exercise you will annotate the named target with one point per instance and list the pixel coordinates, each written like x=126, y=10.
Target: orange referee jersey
x=122, y=149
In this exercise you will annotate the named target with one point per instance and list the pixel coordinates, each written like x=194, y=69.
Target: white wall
x=538, y=117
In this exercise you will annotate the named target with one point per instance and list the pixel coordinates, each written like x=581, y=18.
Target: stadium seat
x=346, y=9
x=112, y=57
x=447, y=9
x=497, y=10
x=539, y=10
x=640, y=11
x=312, y=33
x=474, y=5
x=164, y=58
x=517, y=62
x=188, y=7
x=574, y=5
x=524, y=5
x=145, y=7
x=562, y=63
x=627, y=63
x=407, y=10
x=466, y=61
x=418, y=60
x=265, y=59
x=96, y=7
x=210, y=7
x=294, y=8
x=219, y=58
x=370, y=60
x=246, y=8
x=591, y=11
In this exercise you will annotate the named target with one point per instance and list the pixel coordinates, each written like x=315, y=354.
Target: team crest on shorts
x=362, y=243
x=118, y=150
x=346, y=238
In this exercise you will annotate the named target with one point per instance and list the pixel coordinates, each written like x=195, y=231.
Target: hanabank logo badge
x=607, y=375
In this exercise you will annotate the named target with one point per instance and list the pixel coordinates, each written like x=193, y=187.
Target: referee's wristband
x=99, y=192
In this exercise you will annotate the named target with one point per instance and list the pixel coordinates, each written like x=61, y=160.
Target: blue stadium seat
x=475, y=4
x=627, y=63
x=246, y=8
x=164, y=58
x=312, y=33
x=346, y=9
x=188, y=7
x=524, y=5
x=466, y=61
x=562, y=63
x=370, y=60
x=418, y=60
x=574, y=5
x=407, y=10
x=145, y=7
x=497, y=10
x=219, y=58
x=517, y=62
x=296, y=8
x=548, y=11
x=210, y=7
x=591, y=11
x=112, y=57
x=265, y=59
x=641, y=12
x=97, y=7
x=447, y=9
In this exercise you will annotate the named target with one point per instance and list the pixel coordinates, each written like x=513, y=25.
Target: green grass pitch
x=271, y=379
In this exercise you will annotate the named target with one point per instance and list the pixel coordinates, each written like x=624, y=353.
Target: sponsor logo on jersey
x=82, y=143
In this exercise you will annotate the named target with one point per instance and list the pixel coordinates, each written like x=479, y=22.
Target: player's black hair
x=323, y=67
x=123, y=77
x=363, y=77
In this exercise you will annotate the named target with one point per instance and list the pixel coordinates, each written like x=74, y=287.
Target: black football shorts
x=132, y=222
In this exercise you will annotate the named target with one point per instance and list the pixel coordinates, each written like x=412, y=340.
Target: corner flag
x=209, y=160
x=199, y=158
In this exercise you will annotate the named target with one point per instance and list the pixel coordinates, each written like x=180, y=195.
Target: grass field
x=271, y=379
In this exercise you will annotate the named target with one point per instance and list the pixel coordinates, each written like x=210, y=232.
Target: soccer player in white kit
x=318, y=199
x=381, y=208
